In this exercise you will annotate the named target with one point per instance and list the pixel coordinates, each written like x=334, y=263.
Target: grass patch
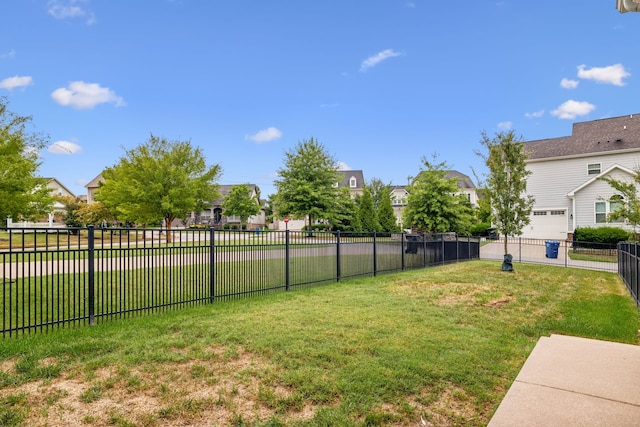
x=594, y=255
x=442, y=344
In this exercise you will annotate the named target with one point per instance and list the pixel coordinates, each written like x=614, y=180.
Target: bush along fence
x=54, y=278
x=629, y=267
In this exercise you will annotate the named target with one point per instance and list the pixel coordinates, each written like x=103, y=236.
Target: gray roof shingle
x=596, y=136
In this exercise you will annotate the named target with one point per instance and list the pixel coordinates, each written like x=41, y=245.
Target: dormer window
x=335, y=185
x=352, y=182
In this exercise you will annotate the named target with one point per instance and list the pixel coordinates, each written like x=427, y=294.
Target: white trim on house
x=573, y=192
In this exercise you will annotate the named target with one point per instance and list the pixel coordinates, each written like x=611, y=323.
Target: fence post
x=443, y=248
x=375, y=263
x=457, y=248
x=286, y=260
x=338, y=272
x=402, y=251
x=425, y=263
x=519, y=247
x=91, y=275
x=566, y=253
x=212, y=263
x=635, y=271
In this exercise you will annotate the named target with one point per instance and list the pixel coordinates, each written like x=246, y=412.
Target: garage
x=547, y=224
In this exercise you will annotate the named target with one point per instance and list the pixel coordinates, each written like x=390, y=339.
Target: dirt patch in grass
x=227, y=386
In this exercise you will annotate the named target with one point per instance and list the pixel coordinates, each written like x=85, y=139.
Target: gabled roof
x=95, y=182
x=226, y=189
x=462, y=180
x=49, y=180
x=596, y=136
x=573, y=192
x=346, y=176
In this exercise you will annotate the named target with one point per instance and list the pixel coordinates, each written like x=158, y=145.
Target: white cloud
x=505, y=125
x=569, y=84
x=265, y=135
x=613, y=74
x=85, y=96
x=374, y=60
x=69, y=9
x=16, y=81
x=9, y=55
x=342, y=166
x=534, y=115
x=64, y=147
x=572, y=109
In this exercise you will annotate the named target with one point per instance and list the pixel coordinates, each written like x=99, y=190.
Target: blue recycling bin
x=551, y=247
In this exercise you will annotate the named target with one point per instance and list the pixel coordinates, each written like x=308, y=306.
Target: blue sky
x=379, y=83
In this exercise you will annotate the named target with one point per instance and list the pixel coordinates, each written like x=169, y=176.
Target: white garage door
x=547, y=224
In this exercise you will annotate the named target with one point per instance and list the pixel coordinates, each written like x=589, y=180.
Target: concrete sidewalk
x=570, y=381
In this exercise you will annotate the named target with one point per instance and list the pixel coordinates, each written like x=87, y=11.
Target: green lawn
x=443, y=344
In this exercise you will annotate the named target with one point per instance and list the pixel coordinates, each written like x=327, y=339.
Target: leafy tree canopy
x=23, y=194
x=628, y=205
x=381, y=194
x=367, y=215
x=506, y=184
x=240, y=203
x=434, y=204
x=159, y=180
x=306, y=183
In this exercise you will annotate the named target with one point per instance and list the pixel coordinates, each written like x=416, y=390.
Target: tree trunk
x=167, y=223
x=506, y=247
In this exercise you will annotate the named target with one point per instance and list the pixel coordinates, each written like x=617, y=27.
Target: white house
x=565, y=171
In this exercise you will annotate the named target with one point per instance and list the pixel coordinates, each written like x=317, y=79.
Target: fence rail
x=574, y=254
x=71, y=277
x=629, y=267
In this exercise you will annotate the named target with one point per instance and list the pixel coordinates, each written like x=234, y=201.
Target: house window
x=594, y=168
x=605, y=208
x=539, y=213
x=557, y=212
x=352, y=182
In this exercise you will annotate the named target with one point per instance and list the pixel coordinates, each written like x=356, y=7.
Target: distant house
x=399, y=196
x=58, y=190
x=92, y=186
x=213, y=216
x=58, y=210
x=400, y=193
x=353, y=180
x=565, y=171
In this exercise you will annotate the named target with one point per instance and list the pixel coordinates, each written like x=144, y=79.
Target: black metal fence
x=53, y=278
x=629, y=267
x=565, y=253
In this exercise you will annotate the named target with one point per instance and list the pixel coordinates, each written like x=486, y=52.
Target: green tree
x=379, y=190
x=95, y=213
x=381, y=194
x=240, y=203
x=23, y=194
x=628, y=206
x=434, y=204
x=159, y=180
x=306, y=184
x=366, y=212
x=72, y=206
x=344, y=216
x=506, y=183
